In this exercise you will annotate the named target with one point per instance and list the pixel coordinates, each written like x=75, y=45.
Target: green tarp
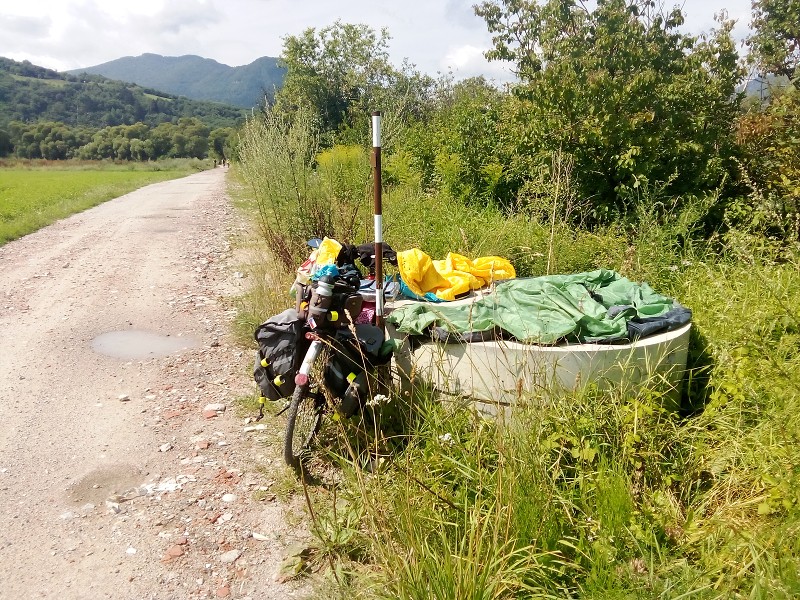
x=544, y=310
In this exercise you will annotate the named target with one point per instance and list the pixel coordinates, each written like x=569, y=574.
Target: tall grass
x=300, y=193
x=439, y=224
x=591, y=493
x=604, y=494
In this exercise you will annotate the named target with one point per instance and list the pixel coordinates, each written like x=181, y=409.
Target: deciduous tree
x=621, y=91
x=341, y=73
x=775, y=41
x=333, y=69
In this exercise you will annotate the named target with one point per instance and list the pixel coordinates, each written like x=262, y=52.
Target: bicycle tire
x=302, y=424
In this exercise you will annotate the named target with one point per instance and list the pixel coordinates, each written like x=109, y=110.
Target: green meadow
x=36, y=194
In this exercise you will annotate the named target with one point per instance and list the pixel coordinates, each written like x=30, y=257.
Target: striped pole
x=376, y=166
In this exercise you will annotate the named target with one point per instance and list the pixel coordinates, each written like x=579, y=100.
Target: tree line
x=31, y=93
x=46, y=114
x=618, y=95
x=188, y=138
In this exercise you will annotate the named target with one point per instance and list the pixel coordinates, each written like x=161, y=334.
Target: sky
x=437, y=36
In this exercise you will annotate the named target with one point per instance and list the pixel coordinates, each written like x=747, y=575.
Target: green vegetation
x=50, y=115
x=33, y=195
x=188, y=138
x=622, y=146
x=29, y=93
x=339, y=74
x=775, y=41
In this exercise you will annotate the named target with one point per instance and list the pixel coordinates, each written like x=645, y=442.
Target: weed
x=299, y=193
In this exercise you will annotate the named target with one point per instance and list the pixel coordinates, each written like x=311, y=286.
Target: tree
x=196, y=134
x=46, y=139
x=219, y=141
x=161, y=140
x=630, y=100
x=121, y=147
x=5, y=143
x=775, y=41
x=456, y=147
x=342, y=73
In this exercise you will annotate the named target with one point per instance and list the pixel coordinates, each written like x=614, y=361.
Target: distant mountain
x=29, y=93
x=764, y=87
x=197, y=78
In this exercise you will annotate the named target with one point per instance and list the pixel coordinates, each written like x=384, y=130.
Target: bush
x=299, y=193
x=771, y=168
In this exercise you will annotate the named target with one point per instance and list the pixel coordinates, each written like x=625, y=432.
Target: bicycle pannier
x=276, y=362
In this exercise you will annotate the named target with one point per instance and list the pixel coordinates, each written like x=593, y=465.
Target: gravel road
x=117, y=479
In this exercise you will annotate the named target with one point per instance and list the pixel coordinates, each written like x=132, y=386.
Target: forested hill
x=196, y=77
x=29, y=93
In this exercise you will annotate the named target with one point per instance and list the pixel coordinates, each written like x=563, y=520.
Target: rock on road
x=114, y=336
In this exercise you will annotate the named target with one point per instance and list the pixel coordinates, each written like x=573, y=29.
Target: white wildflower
x=446, y=439
x=378, y=399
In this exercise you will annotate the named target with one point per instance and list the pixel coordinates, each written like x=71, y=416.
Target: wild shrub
x=346, y=185
x=619, y=89
x=276, y=160
x=770, y=169
x=301, y=193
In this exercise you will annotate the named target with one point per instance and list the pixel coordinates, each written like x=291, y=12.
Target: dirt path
x=113, y=340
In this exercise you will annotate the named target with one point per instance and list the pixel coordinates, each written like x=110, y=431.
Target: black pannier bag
x=345, y=372
x=276, y=357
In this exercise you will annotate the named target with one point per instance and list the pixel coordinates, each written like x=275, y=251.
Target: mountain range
x=196, y=77
x=30, y=94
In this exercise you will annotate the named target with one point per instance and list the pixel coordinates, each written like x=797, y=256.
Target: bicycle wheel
x=303, y=421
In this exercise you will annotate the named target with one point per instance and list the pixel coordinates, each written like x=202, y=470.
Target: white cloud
x=469, y=61
x=463, y=56
x=24, y=27
x=435, y=35
x=462, y=13
x=182, y=17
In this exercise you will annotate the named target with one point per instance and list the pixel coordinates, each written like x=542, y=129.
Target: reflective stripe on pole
x=376, y=165
x=376, y=129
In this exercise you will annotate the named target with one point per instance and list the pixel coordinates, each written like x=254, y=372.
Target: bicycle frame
x=311, y=355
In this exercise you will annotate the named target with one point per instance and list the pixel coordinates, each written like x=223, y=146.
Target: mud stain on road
x=99, y=485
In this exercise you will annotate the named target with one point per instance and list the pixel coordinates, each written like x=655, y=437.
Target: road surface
x=114, y=338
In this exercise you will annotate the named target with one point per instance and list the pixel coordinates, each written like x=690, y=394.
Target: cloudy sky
x=434, y=35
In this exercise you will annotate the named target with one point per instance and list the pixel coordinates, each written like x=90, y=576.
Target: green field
x=34, y=195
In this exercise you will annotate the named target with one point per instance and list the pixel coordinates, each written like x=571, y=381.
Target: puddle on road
x=133, y=344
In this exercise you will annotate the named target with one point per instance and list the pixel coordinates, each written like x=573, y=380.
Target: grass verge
x=587, y=494
x=34, y=194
